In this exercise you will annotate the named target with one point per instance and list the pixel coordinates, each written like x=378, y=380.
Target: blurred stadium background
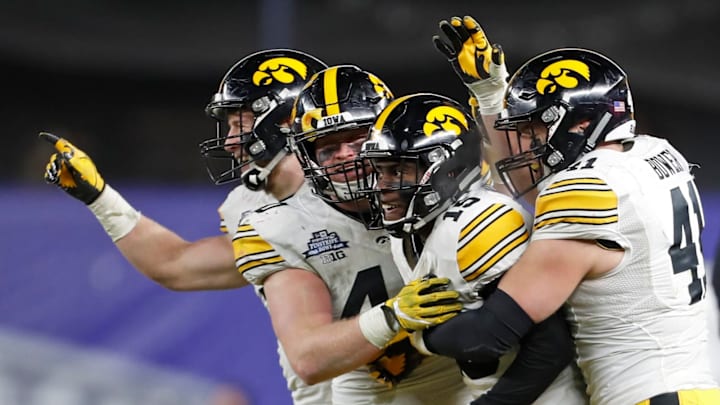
x=128, y=82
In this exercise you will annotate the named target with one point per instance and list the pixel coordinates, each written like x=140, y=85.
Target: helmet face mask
x=263, y=84
x=224, y=155
x=331, y=119
x=527, y=149
x=337, y=177
x=578, y=99
x=426, y=151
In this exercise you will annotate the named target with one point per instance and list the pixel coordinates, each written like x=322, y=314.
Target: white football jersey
x=238, y=203
x=357, y=266
x=473, y=243
x=640, y=329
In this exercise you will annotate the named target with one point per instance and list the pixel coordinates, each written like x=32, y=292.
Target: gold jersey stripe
x=576, y=200
x=478, y=219
x=250, y=245
x=331, y=91
x=686, y=397
x=577, y=220
x=501, y=232
x=223, y=226
x=251, y=250
x=509, y=247
x=260, y=262
x=245, y=228
x=584, y=180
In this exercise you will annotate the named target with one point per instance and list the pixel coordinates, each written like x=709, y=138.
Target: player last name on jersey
x=664, y=164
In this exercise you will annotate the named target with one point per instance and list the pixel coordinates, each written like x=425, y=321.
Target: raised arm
x=154, y=250
x=480, y=65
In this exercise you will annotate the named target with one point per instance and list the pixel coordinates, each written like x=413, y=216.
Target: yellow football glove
x=423, y=303
x=72, y=170
x=469, y=51
x=480, y=65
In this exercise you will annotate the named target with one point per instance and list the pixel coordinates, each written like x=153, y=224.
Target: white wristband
x=375, y=328
x=115, y=214
x=489, y=94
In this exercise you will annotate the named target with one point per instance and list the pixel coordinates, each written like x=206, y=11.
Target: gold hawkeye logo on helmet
x=380, y=87
x=283, y=69
x=309, y=120
x=446, y=119
x=564, y=73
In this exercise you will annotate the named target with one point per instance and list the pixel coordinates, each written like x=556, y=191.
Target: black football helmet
x=440, y=137
x=338, y=99
x=558, y=90
x=265, y=83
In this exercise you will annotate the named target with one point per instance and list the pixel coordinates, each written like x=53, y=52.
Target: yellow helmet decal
x=380, y=86
x=380, y=120
x=283, y=69
x=310, y=118
x=563, y=73
x=331, y=91
x=444, y=118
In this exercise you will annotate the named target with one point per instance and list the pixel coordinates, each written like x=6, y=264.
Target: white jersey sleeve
x=239, y=202
x=641, y=328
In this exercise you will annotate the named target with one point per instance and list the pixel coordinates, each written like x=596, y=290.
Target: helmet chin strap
x=344, y=190
x=255, y=178
x=412, y=223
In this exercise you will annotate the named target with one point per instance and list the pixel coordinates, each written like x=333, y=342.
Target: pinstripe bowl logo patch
x=322, y=242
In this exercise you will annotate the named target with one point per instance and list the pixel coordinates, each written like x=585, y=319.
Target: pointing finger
x=48, y=137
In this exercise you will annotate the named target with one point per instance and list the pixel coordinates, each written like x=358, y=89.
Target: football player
x=616, y=237
x=335, y=296
x=445, y=222
x=255, y=97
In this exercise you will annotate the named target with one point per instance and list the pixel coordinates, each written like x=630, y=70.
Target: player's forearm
x=330, y=350
x=163, y=256
x=483, y=334
x=544, y=353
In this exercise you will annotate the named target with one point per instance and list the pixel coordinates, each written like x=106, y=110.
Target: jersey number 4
x=370, y=284
x=685, y=258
